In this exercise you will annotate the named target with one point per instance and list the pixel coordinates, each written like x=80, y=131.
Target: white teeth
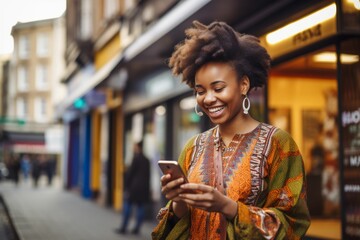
x=212, y=110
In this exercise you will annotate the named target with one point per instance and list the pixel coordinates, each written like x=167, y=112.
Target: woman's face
x=219, y=92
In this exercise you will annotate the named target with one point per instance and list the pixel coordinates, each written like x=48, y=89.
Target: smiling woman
x=246, y=178
x=15, y=11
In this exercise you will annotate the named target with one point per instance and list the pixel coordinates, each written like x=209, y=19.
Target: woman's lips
x=215, y=111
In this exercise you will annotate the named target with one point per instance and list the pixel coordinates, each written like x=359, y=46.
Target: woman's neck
x=241, y=125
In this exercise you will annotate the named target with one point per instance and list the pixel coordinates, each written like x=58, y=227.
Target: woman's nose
x=209, y=98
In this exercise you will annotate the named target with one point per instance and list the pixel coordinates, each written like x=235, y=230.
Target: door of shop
x=303, y=100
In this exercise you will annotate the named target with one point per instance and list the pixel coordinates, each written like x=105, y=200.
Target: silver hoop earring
x=200, y=114
x=245, y=102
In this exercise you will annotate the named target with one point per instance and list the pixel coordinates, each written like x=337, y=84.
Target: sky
x=13, y=11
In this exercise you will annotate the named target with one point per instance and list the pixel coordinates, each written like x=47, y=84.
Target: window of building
x=86, y=19
x=129, y=4
x=148, y=14
x=42, y=45
x=41, y=82
x=23, y=79
x=111, y=8
x=24, y=46
x=40, y=113
x=21, y=108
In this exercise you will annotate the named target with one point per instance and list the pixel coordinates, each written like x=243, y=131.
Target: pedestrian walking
x=37, y=168
x=50, y=167
x=137, y=190
x=25, y=166
x=14, y=168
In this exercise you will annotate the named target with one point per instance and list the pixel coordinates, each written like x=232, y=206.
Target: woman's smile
x=215, y=112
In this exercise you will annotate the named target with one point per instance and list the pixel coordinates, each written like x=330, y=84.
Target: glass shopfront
x=350, y=137
x=186, y=122
x=313, y=93
x=303, y=100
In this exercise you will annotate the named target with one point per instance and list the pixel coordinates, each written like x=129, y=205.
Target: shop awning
x=172, y=19
x=28, y=148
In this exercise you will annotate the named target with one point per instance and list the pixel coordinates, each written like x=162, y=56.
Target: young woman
x=246, y=178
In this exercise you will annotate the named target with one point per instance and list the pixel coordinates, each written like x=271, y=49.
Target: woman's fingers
x=171, y=188
x=198, y=188
x=201, y=196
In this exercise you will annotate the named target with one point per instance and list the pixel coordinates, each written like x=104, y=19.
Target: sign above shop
x=302, y=32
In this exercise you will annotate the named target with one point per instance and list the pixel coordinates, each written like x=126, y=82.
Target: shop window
x=186, y=123
x=150, y=127
x=350, y=138
x=303, y=100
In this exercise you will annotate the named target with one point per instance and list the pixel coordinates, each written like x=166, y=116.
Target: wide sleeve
x=281, y=211
x=169, y=227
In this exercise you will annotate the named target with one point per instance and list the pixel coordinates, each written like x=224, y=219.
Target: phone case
x=173, y=168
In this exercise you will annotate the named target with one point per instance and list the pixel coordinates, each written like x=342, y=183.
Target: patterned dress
x=263, y=172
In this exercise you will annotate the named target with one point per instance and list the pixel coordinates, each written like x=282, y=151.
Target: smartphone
x=173, y=168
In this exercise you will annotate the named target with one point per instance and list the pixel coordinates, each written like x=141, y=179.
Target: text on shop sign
x=307, y=34
x=354, y=161
x=351, y=117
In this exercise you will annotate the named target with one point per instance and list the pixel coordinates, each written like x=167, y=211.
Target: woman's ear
x=245, y=85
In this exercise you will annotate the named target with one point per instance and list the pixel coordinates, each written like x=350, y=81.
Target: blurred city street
x=85, y=84
x=50, y=212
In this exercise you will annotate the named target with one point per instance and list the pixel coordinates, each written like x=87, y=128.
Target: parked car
x=4, y=172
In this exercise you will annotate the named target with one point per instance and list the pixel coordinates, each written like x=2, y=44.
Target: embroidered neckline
x=219, y=143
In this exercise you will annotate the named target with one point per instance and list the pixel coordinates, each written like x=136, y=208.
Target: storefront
x=313, y=93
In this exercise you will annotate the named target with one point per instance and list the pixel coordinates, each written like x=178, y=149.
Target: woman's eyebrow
x=212, y=84
x=216, y=82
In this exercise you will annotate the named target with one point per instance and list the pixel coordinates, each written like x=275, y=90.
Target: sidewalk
x=52, y=213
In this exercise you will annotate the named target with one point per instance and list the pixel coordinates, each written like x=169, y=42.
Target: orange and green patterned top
x=263, y=172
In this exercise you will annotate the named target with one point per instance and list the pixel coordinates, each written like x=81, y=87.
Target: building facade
x=121, y=91
x=33, y=88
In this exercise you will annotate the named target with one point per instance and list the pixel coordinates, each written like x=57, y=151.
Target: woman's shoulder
x=280, y=137
x=277, y=133
x=198, y=137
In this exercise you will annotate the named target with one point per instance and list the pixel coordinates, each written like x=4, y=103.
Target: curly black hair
x=218, y=42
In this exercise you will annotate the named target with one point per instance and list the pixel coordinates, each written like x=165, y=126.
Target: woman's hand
x=208, y=198
x=170, y=188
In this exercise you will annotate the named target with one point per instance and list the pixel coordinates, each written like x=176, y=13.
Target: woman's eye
x=218, y=89
x=199, y=92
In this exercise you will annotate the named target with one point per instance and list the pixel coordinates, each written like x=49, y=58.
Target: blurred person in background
x=246, y=178
x=50, y=168
x=25, y=166
x=14, y=168
x=38, y=166
x=137, y=190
